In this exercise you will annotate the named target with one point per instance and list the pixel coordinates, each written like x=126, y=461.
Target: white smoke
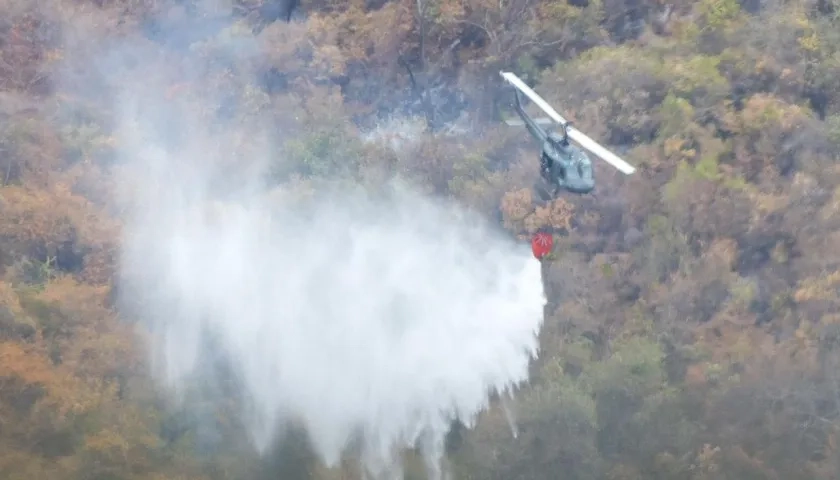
x=375, y=318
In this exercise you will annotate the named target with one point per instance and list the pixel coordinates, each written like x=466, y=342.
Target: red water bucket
x=541, y=244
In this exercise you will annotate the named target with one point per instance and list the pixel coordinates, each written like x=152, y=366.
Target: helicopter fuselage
x=562, y=165
x=566, y=167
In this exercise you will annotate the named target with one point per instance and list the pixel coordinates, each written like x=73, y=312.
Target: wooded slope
x=692, y=330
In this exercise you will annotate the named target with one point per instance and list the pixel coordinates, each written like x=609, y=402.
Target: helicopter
x=563, y=166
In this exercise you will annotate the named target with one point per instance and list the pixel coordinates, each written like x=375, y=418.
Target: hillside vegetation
x=692, y=330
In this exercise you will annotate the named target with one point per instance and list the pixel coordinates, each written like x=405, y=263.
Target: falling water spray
x=373, y=319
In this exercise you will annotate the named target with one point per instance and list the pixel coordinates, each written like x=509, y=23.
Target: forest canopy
x=691, y=329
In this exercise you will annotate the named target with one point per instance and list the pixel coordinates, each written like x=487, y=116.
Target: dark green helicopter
x=563, y=166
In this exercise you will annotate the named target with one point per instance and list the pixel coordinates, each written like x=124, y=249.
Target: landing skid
x=544, y=191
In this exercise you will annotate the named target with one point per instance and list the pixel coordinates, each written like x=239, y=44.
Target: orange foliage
x=557, y=215
x=39, y=222
x=30, y=366
x=26, y=364
x=515, y=207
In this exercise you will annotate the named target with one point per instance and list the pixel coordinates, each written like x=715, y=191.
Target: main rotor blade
x=600, y=151
x=516, y=82
x=538, y=121
x=573, y=133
